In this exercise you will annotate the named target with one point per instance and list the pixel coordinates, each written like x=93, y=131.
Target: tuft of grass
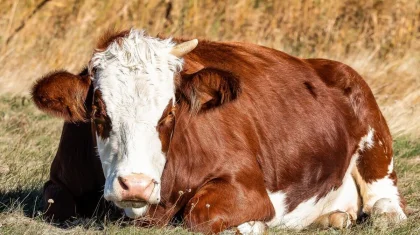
x=28, y=142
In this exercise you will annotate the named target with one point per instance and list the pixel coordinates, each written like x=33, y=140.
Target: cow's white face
x=135, y=77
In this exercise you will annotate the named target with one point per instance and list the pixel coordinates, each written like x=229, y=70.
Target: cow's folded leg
x=335, y=219
x=58, y=202
x=221, y=205
x=388, y=211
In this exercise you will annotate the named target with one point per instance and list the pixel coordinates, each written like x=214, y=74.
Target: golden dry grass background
x=379, y=38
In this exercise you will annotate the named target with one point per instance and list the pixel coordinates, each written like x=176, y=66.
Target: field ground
x=28, y=141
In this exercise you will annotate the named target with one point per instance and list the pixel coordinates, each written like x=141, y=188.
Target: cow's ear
x=208, y=88
x=63, y=94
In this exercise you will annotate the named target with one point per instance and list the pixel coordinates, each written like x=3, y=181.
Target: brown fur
x=100, y=118
x=109, y=37
x=271, y=121
x=63, y=94
x=165, y=127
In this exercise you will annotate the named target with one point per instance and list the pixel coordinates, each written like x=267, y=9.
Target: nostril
x=123, y=183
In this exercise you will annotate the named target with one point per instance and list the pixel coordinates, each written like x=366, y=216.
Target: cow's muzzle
x=134, y=190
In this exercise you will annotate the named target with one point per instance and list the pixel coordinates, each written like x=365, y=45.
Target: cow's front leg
x=220, y=205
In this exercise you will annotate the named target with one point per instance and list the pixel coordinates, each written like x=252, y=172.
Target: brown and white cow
x=223, y=134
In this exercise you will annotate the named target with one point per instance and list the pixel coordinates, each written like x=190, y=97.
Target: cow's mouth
x=131, y=204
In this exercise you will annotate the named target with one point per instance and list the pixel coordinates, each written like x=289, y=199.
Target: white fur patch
x=391, y=166
x=136, y=79
x=345, y=198
x=367, y=141
x=135, y=212
x=252, y=228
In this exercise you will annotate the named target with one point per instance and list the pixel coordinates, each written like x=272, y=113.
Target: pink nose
x=136, y=187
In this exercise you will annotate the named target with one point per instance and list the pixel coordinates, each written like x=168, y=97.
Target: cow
x=221, y=134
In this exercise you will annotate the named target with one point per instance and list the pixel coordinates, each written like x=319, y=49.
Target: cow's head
x=132, y=79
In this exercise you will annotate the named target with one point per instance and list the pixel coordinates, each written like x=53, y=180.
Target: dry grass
x=379, y=38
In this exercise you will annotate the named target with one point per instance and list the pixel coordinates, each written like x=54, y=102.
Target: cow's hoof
x=252, y=227
x=335, y=219
x=339, y=220
x=387, y=211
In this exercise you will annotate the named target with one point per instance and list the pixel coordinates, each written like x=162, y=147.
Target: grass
x=379, y=38
x=28, y=141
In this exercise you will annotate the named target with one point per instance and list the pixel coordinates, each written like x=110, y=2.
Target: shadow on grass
x=29, y=201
